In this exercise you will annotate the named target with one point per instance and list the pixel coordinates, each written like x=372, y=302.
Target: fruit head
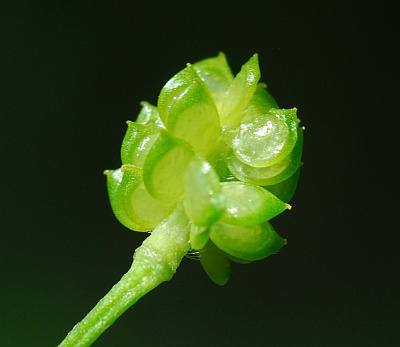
x=218, y=145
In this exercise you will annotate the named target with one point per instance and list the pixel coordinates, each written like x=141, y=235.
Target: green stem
x=154, y=262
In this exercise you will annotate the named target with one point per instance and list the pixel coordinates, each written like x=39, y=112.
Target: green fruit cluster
x=217, y=149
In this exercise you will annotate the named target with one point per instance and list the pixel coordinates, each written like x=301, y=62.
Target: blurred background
x=73, y=73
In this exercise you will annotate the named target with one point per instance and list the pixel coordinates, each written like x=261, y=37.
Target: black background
x=73, y=73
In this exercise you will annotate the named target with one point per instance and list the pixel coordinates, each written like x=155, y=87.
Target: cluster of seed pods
x=218, y=151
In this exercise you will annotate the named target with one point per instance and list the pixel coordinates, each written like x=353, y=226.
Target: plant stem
x=154, y=262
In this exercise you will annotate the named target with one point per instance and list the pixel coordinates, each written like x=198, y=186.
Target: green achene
x=205, y=170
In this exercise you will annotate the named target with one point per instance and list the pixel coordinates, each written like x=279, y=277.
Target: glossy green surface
x=240, y=92
x=217, y=75
x=266, y=139
x=189, y=111
x=253, y=242
x=247, y=204
x=165, y=166
x=204, y=202
x=149, y=115
x=132, y=205
x=272, y=174
x=137, y=142
x=204, y=170
x=260, y=103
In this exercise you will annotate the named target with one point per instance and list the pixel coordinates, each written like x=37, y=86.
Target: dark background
x=73, y=73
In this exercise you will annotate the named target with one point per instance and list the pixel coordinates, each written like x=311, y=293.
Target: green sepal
x=247, y=204
x=215, y=264
x=132, y=205
x=240, y=92
x=247, y=242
